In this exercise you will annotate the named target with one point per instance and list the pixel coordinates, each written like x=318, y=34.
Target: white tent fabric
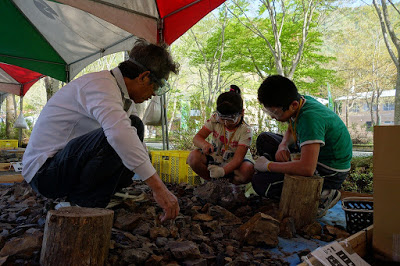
x=9, y=84
x=137, y=17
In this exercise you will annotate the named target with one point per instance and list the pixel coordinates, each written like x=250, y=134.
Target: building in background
x=357, y=108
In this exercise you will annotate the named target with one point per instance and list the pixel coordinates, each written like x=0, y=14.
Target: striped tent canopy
x=60, y=38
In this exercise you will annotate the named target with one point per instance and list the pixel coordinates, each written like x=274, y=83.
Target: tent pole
x=162, y=121
x=165, y=121
x=21, y=107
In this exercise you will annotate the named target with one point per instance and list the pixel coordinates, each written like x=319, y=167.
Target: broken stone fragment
x=154, y=260
x=142, y=229
x=336, y=232
x=327, y=238
x=196, y=229
x=136, y=256
x=127, y=221
x=243, y=211
x=197, y=262
x=230, y=251
x=212, y=225
x=23, y=246
x=224, y=216
x=173, y=231
x=313, y=229
x=3, y=260
x=287, y=228
x=158, y=232
x=261, y=229
x=209, y=192
x=161, y=241
x=204, y=248
x=184, y=250
x=202, y=217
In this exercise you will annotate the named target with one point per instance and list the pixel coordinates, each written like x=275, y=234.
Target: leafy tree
x=207, y=57
x=362, y=62
x=387, y=27
x=283, y=38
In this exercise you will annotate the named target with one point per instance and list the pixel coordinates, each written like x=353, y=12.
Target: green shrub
x=360, y=178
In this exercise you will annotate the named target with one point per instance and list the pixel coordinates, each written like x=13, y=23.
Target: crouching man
x=87, y=142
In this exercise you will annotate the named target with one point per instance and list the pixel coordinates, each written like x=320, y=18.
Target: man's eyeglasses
x=162, y=84
x=233, y=119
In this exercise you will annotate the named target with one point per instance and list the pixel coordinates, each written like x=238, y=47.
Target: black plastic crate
x=358, y=212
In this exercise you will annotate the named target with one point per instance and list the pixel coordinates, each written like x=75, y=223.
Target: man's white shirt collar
x=121, y=84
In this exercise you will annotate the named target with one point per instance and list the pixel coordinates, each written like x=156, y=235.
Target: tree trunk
x=77, y=236
x=347, y=112
x=397, y=100
x=378, y=118
x=300, y=199
x=51, y=86
x=10, y=114
x=371, y=109
x=171, y=122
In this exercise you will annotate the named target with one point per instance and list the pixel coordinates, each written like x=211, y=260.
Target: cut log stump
x=300, y=199
x=77, y=236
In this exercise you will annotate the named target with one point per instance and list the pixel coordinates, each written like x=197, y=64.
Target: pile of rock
x=217, y=225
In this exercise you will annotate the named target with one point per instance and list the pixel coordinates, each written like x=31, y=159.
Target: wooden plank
x=4, y=167
x=11, y=178
x=360, y=243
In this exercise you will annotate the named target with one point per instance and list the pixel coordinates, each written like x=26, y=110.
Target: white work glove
x=216, y=171
x=262, y=164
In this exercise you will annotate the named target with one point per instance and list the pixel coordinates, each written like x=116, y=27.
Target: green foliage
x=15, y=131
x=183, y=137
x=360, y=178
x=107, y=62
x=249, y=52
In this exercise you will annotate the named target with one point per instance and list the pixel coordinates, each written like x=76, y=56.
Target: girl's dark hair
x=230, y=102
x=278, y=91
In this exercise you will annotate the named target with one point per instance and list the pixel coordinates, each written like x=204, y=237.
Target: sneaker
x=329, y=198
x=64, y=204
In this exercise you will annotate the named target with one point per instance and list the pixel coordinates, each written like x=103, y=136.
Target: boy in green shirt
x=315, y=130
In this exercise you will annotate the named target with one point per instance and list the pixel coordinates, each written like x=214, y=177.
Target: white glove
x=262, y=164
x=216, y=171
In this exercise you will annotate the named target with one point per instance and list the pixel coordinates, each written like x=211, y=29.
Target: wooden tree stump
x=76, y=236
x=300, y=199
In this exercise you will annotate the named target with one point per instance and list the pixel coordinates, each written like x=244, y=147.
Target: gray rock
x=184, y=250
x=135, y=256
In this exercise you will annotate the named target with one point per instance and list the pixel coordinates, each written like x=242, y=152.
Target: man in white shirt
x=86, y=143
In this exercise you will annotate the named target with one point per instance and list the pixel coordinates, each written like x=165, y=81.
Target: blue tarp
x=288, y=249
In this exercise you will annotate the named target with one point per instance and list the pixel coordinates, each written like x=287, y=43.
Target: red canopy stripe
x=23, y=76
x=190, y=12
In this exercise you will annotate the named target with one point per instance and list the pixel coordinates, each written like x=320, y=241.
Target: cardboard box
x=386, y=232
x=360, y=243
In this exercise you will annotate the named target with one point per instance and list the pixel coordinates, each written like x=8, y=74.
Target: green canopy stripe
x=25, y=46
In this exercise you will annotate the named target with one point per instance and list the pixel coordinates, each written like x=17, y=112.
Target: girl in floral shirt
x=227, y=153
